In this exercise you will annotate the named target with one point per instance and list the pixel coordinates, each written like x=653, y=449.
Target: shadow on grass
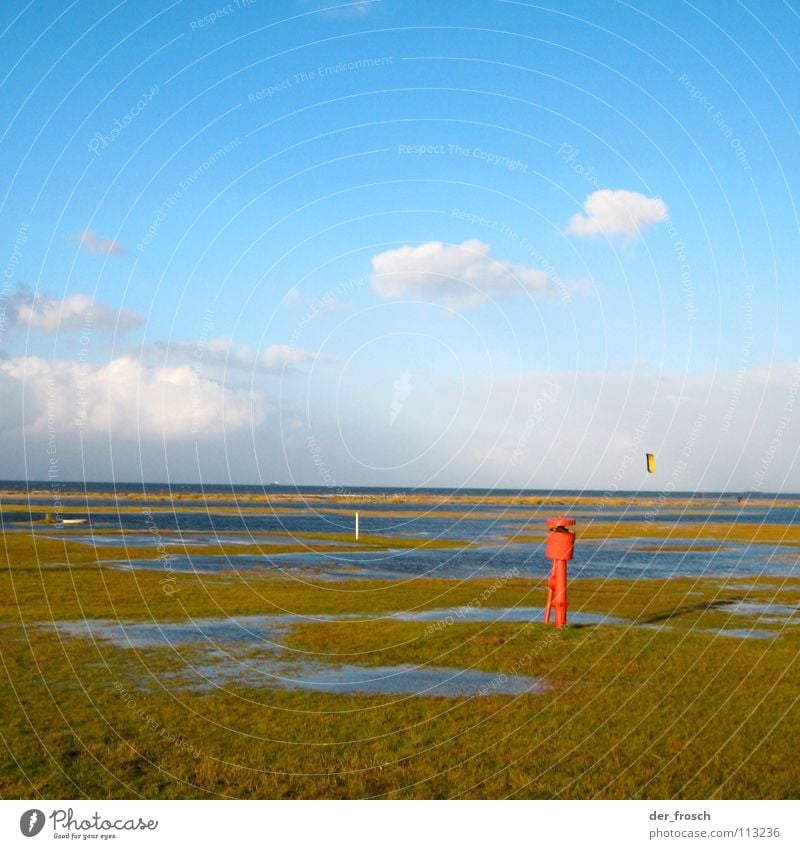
x=687, y=609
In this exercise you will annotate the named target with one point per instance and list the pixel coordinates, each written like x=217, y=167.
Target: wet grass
x=22, y=548
x=632, y=714
x=666, y=711
x=748, y=532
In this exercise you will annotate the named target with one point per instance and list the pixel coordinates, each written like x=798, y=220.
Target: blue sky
x=401, y=243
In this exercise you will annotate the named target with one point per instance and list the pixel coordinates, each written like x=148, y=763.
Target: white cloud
x=458, y=276
x=616, y=212
x=277, y=358
x=274, y=359
x=51, y=315
x=293, y=298
x=95, y=244
x=327, y=304
x=126, y=398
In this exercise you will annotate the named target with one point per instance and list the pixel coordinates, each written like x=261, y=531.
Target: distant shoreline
x=105, y=497
x=129, y=489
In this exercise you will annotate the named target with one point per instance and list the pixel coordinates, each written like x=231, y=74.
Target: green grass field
x=658, y=706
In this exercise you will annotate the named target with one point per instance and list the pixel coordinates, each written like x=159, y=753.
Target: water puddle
x=743, y=633
x=259, y=631
x=765, y=611
x=251, y=650
x=501, y=614
x=347, y=679
x=246, y=651
x=254, y=631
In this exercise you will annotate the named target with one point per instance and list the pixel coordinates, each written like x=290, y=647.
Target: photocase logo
x=401, y=392
x=31, y=822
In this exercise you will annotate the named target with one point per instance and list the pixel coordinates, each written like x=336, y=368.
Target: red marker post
x=560, y=548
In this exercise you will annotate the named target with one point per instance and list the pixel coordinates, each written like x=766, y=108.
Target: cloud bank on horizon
x=43, y=312
x=274, y=359
x=126, y=399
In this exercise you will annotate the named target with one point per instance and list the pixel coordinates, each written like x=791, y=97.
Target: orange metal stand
x=560, y=549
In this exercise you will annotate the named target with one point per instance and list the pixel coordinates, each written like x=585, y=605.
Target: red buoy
x=560, y=549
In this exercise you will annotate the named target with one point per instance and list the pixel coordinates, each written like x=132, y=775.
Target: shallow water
x=316, y=515
x=617, y=558
x=744, y=633
x=766, y=611
x=245, y=651
x=500, y=614
x=249, y=630
x=347, y=679
x=133, y=540
x=251, y=650
x=300, y=570
x=487, y=525
x=268, y=630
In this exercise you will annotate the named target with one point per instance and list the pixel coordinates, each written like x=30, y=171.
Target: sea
x=483, y=527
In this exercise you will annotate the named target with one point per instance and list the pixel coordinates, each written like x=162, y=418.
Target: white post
x=356, y=525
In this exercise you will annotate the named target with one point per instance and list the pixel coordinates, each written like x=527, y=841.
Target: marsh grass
x=630, y=715
x=23, y=548
x=666, y=711
x=702, y=532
